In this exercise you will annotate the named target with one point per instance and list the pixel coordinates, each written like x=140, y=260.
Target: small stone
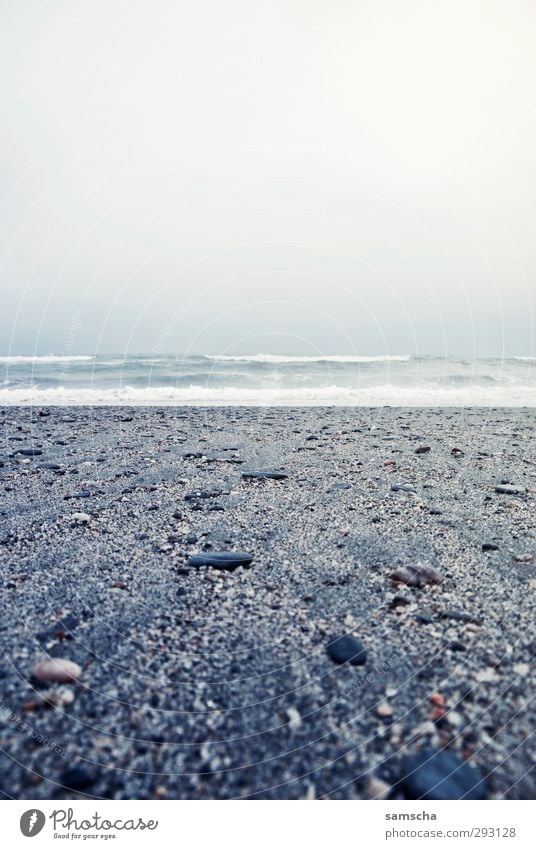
x=423, y=449
x=523, y=558
x=457, y=452
x=435, y=774
x=458, y=615
x=81, y=518
x=487, y=676
x=265, y=474
x=508, y=489
x=377, y=788
x=30, y=452
x=228, y=560
x=521, y=669
x=294, y=718
x=418, y=575
x=57, y=670
x=77, y=778
x=384, y=710
x=347, y=649
x=402, y=487
x=489, y=546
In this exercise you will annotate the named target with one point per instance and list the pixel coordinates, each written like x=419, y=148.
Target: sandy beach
x=196, y=681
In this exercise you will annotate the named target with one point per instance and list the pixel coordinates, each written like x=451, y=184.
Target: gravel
x=208, y=683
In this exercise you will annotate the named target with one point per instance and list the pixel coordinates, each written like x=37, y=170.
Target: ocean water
x=268, y=380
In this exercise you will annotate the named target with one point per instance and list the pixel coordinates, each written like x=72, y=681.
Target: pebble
x=50, y=698
x=77, y=778
x=418, y=575
x=81, y=518
x=423, y=449
x=377, y=788
x=523, y=558
x=508, y=489
x=57, y=670
x=435, y=774
x=265, y=474
x=228, y=560
x=489, y=546
x=347, y=649
x=402, y=487
x=294, y=718
x=384, y=710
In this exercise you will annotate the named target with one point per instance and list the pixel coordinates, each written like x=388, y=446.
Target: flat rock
x=435, y=774
x=509, y=489
x=418, y=575
x=347, y=649
x=423, y=449
x=402, y=487
x=228, y=560
x=265, y=474
x=57, y=670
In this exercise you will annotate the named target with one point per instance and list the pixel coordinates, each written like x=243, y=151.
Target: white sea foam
x=46, y=358
x=195, y=395
x=320, y=358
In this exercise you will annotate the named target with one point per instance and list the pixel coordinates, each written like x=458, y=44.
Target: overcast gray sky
x=283, y=176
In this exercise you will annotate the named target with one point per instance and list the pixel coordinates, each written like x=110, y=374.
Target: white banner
x=258, y=824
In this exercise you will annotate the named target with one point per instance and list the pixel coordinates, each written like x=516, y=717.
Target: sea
x=268, y=380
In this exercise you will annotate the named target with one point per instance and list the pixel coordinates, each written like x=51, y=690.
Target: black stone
x=434, y=774
x=30, y=452
x=347, y=649
x=228, y=560
x=507, y=489
x=77, y=778
x=489, y=546
x=265, y=474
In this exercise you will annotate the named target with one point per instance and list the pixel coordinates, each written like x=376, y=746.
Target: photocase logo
x=31, y=822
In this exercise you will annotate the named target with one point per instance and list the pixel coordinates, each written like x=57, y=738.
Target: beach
x=410, y=529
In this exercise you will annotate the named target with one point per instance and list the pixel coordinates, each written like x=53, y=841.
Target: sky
x=297, y=176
